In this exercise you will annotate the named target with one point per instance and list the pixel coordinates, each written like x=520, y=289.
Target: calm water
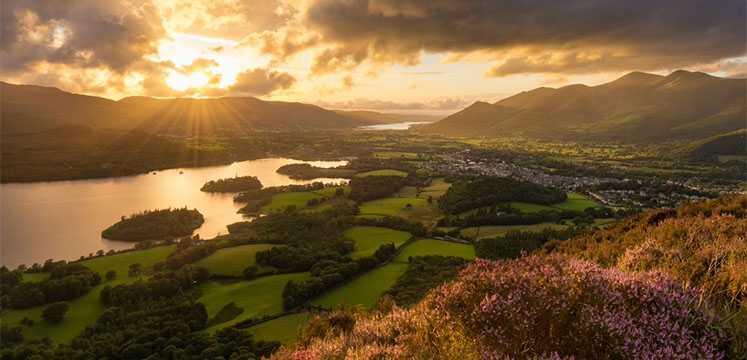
x=396, y=126
x=64, y=219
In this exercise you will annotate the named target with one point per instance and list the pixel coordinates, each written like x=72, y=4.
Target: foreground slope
x=665, y=284
x=635, y=107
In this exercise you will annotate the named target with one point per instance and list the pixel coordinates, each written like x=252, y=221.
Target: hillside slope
x=635, y=107
x=26, y=108
x=612, y=294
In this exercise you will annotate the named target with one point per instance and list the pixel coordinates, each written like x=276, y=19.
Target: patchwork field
x=395, y=154
x=232, y=261
x=364, y=290
x=256, y=297
x=299, y=199
x=420, y=209
x=369, y=238
x=493, y=231
x=87, y=308
x=575, y=202
x=383, y=173
x=283, y=329
x=437, y=188
x=435, y=247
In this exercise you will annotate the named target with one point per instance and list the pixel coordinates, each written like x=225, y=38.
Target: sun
x=183, y=82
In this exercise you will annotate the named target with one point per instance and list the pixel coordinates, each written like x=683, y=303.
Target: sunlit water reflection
x=64, y=219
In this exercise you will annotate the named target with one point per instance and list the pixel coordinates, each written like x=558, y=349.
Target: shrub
x=55, y=312
x=538, y=308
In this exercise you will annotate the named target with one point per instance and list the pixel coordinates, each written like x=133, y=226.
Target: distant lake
x=395, y=126
x=64, y=219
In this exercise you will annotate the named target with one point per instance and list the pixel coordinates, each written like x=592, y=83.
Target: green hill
x=635, y=107
x=27, y=108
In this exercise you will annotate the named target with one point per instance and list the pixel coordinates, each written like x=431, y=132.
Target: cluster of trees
x=487, y=191
x=515, y=242
x=326, y=274
x=423, y=274
x=160, y=286
x=374, y=187
x=65, y=282
x=503, y=214
x=307, y=172
x=189, y=250
x=153, y=320
x=156, y=224
x=235, y=184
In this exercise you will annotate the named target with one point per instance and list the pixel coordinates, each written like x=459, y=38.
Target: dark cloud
x=261, y=81
x=578, y=36
x=84, y=33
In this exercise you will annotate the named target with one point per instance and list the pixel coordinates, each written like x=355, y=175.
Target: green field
x=383, y=173
x=437, y=188
x=283, y=200
x=299, y=199
x=395, y=154
x=34, y=277
x=421, y=210
x=528, y=207
x=87, y=308
x=365, y=289
x=233, y=260
x=369, y=238
x=256, y=297
x=493, y=231
x=435, y=247
x=283, y=329
x=575, y=202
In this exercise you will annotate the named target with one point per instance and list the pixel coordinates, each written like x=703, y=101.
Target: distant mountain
x=27, y=108
x=635, y=107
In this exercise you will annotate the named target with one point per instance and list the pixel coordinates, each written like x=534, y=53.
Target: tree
x=250, y=272
x=111, y=275
x=135, y=269
x=55, y=312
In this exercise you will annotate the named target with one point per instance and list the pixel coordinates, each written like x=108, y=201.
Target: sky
x=419, y=56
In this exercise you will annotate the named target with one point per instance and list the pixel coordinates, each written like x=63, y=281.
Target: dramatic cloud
x=261, y=82
x=575, y=36
x=84, y=33
x=230, y=19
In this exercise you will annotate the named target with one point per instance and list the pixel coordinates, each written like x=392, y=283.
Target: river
x=64, y=219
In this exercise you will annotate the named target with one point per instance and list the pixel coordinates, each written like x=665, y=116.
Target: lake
x=395, y=126
x=64, y=219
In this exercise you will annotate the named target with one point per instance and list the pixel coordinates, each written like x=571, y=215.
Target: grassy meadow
x=369, y=238
x=435, y=247
x=256, y=297
x=87, y=308
x=233, y=260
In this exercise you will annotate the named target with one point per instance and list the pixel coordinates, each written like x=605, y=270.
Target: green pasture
x=256, y=297
x=369, y=238
x=395, y=154
x=481, y=232
x=86, y=309
x=437, y=188
x=575, y=202
x=233, y=260
x=364, y=290
x=435, y=247
x=383, y=173
x=420, y=209
x=284, y=329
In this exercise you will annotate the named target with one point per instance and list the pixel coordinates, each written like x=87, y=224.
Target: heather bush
x=537, y=308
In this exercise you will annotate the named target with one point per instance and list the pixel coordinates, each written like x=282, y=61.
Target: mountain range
x=636, y=107
x=28, y=108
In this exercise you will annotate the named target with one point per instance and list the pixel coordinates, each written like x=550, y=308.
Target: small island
x=308, y=172
x=155, y=224
x=235, y=184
